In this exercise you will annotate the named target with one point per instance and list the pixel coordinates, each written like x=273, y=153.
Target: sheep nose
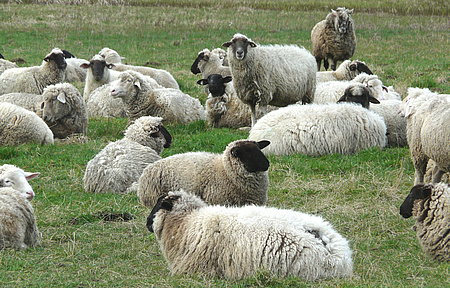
x=30, y=195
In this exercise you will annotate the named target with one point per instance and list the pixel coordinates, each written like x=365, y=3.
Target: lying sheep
x=64, y=110
x=332, y=91
x=18, y=228
x=237, y=242
x=120, y=163
x=17, y=179
x=315, y=130
x=34, y=79
x=111, y=56
x=210, y=62
x=380, y=91
x=238, y=176
x=162, y=77
x=101, y=104
x=347, y=71
x=334, y=39
x=223, y=107
x=428, y=204
x=5, y=65
x=428, y=131
x=32, y=102
x=142, y=99
x=18, y=126
x=276, y=75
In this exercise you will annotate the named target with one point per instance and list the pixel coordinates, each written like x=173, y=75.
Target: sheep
x=334, y=39
x=120, y=163
x=277, y=75
x=428, y=204
x=74, y=72
x=427, y=131
x=237, y=242
x=18, y=228
x=380, y=91
x=18, y=126
x=111, y=56
x=34, y=79
x=210, y=62
x=99, y=73
x=316, y=130
x=142, y=99
x=101, y=104
x=347, y=71
x=64, y=110
x=223, y=107
x=5, y=65
x=432, y=169
x=32, y=102
x=15, y=178
x=162, y=77
x=388, y=109
x=238, y=176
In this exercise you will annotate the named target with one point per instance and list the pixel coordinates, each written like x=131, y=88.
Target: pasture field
x=405, y=42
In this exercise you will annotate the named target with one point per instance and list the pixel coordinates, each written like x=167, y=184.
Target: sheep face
x=216, y=84
x=249, y=153
x=239, y=46
x=361, y=67
x=341, y=19
x=98, y=67
x=18, y=179
x=201, y=56
x=126, y=86
x=57, y=56
x=55, y=105
x=358, y=93
x=418, y=192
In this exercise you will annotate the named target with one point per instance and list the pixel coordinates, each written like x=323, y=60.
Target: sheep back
x=162, y=77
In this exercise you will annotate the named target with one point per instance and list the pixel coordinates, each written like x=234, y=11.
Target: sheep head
x=418, y=192
x=16, y=178
x=249, y=153
x=239, y=45
x=216, y=84
x=57, y=56
x=340, y=18
x=358, y=93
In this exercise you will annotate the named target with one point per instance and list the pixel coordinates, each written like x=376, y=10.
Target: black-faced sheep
x=347, y=71
x=98, y=73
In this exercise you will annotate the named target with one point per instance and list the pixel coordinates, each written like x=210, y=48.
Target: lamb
x=334, y=39
x=237, y=242
x=32, y=102
x=17, y=179
x=347, y=71
x=34, y=79
x=120, y=163
x=238, y=176
x=142, y=99
x=162, y=77
x=18, y=126
x=276, y=75
x=428, y=204
x=111, y=56
x=223, y=107
x=64, y=110
x=316, y=130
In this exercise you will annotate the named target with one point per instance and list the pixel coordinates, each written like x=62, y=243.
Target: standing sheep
x=276, y=75
x=238, y=176
x=334, y=39
x=347, y=71
x=18, y=126
x=64, y=110
x=316, y=130
x=17, y=179
x=120, y=163
x=34, y=79
x=429, y=206
x=428, y=131
x=142, y=99
x=237, y=242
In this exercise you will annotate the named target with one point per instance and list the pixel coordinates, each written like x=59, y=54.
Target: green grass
x=405, y=44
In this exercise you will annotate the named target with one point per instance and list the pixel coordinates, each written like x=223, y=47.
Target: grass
x=406, y=45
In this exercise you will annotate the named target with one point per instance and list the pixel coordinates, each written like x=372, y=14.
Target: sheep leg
x=253, y=109
x=333, y=64
x=437, y=174
x=325, y=64
x=420, y=165
x=319, y=62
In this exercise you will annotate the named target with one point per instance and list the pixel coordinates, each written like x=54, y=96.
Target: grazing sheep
x=5, y=65
x=142, y=99
x=428, y=131
x=223, y=107
x=111, y=56
x=347, y=71
x=238, y=176
x=18, y=126
x=276, y=75
x=120, y=163
x=32, y=102
x=162, y=77
x=64, y=110
x=17, y=179
x=237, y=242
x=99, y=73
x=18, y=228
x=428, y=204
x=315, y=130
x=334, y=39
x=34, y=79
x=432, y=169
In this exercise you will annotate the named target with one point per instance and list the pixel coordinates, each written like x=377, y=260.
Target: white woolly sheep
x=142, y=99
x=238, y=176
x=347, y=71
x=428, y=131
x=18, y=228
x=34, y=79
x=99, y=73
x=64, y=110
x=237, y=242
x=120, y=163
x=32, y=102
x=210, y=62
x=378, y=90
x=101, y=104
x=223, y=107
x=277, y=75
x=334, y=39
x=18, y=126
x=315, y=130
x=332, y=91
x=162, y=77
x=5, y=65
x=428, y=204
x=111, y=56
x=15, y=178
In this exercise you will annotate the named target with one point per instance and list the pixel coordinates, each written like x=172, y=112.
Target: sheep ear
x=202, y=82
x=252, y=44
x=30, y=176
x=46, y=59
x=61, y=97
x=167, y=203
x=373, y=100
x=350, y=11
x=227, y=44
x=263, y=144
x=84, y=65
x=137, y=83
x=194, y=67
x=408, y=110
x=342, y=99
x=362, y=67
x=166, y=135
x=227, y=79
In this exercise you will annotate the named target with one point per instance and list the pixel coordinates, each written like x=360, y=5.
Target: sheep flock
x=211, y=213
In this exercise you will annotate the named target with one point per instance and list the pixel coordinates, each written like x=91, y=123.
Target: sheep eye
x=7, y=182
